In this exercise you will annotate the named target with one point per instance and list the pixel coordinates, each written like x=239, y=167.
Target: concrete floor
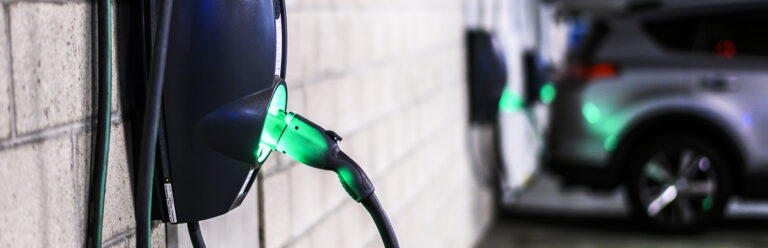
x=547, y=216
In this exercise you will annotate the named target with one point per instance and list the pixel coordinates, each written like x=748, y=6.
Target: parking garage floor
x=547, y=216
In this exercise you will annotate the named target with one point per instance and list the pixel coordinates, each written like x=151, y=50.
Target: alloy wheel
x=678, y=187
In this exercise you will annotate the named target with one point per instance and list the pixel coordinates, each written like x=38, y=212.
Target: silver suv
x=670, y=100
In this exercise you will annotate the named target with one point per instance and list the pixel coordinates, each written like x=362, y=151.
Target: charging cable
x=195, y=234
x=143, y=206
x=101, y=145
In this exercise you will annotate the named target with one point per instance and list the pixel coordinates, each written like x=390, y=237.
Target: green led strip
x=274, y=124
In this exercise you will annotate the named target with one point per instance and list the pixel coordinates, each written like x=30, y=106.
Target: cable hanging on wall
x=100, y=148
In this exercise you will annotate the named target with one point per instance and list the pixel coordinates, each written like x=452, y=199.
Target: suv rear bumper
x=753, y=184
x=592, y=174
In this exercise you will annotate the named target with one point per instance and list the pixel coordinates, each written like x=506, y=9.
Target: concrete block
x=398, y=133
x=307, y=196
x=375, y=92
x=121, y=243
x=37, y=200
x=51, y=63
x=333, y=193
x=378, y=34
x=355, y=225
x=321, y=103
x=158, y=236
x=376, y=242
x=291, y=5
x=404, y=82
x=383, y=147
x=329, y=45
x=297, y=99
x=370, y=95
x=5, y=81
x=303, y=242
x=326, y=233
x=358, y=147
x=302, y=51
x=277, y=209
x=349, y=103
x=118, y=201
x=395, y=37
x=387, y=75
x=358, y=38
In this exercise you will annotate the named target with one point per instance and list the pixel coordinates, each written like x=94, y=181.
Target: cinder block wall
x=45, y=131
x=388, y=76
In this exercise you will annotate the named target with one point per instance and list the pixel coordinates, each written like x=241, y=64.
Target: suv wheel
x=679, y=183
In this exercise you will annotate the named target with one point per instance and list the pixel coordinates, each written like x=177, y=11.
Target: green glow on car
x=610, y=143
x=591, y=113
x=510, y=101
x=547, y=93
x=707, y=204
x=274, y=123
x=605, y=124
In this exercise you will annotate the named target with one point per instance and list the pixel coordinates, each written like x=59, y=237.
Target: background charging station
x=218, y=51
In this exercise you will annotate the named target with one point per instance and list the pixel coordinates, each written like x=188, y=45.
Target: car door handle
x=716, y=84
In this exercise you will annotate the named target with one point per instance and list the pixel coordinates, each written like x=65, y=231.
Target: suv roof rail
x=575, y=7
x=638, y=6
x=611, y=7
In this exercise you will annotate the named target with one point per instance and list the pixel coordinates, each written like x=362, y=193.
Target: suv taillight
x=585, y=72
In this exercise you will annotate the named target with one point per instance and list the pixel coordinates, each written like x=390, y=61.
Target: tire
x=679, y=183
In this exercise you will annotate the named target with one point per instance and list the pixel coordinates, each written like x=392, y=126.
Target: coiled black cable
x=386, y=231
x=104, y=107
x=151, y=128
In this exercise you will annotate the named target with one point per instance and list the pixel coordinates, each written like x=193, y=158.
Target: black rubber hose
x=195, y=234
x=104, y=106
x=386, y=231
x=151, y=129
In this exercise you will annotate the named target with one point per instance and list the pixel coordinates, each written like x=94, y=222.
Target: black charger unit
x=218, y=51
x=487, y=74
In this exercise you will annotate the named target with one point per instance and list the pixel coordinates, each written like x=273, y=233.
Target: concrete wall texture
x=388, y=76
x=45, y=131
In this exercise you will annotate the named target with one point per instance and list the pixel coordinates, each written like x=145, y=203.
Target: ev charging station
x=218, y=51
x=204, y=78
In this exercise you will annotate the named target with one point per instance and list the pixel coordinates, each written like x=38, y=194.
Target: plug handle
x=352, y=177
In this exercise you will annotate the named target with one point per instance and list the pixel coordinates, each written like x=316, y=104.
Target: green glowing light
x=304, y=142
x=510, y=101
x=591, y=113
x=274, y=124
x=263, y=152
x=610, y=143
x=547, y=93
x=347, y=177
x=707, y=204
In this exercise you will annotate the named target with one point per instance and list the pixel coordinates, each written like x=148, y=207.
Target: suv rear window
x=727, y=35
x=589, y=41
